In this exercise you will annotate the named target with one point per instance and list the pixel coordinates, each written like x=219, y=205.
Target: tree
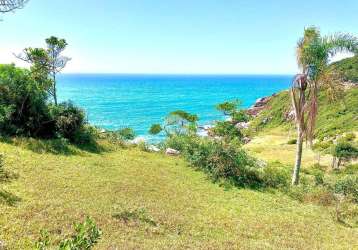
x=23, y=108
x=178, y=122
x=47, y=63
x=11, y=5
x=232, y=109
x=229, y=107
x=57, y=62
x=344, y=151
x=313, y=56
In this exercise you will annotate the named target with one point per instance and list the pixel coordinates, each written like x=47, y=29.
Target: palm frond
x=340, y=42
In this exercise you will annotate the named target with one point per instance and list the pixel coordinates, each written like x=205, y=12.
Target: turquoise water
x=137, y=101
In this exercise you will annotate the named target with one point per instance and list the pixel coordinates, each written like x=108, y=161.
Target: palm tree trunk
x=296, y=170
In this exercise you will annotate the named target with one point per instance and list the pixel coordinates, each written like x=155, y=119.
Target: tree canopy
x=11, y=5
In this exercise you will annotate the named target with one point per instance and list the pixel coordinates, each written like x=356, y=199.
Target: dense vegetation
x=347, y=68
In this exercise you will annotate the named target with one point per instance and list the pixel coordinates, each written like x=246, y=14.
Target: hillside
x=335, y=116
x=348, y=68
x=182, y=208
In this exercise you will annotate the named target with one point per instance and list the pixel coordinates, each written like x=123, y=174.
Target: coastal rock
x=254, y=111
x=172, y=152
x=262, y=101
x=242, y=125
x=153, y=148
x=137, y=140
x=266, y=120
x=259, y=105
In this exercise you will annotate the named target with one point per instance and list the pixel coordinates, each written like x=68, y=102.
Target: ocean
x=114, y=101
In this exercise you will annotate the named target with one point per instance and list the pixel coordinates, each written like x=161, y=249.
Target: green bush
x=240, y=116
x=126, y=134
x=276, y=175
x=344, y=151
x=227, y=130
x=318, y=178
x=155, y=129
x=347, y=186
x=292, y=141
x=86, y=134
x=222, y=161
x=86, y=236
x=179, y=142
x=23, y=108
x=68, y=118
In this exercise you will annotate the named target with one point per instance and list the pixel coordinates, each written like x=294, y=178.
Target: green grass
x=167, y=204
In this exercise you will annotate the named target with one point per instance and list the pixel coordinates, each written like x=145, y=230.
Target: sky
x=174, y=36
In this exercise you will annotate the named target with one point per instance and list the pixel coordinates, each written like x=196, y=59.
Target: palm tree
x=313, y=57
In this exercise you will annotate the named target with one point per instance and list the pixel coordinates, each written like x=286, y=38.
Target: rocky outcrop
x=172, y=152
x=242, y=125
x=259, y=105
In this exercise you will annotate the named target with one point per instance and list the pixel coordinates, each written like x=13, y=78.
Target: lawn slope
x=51, y=190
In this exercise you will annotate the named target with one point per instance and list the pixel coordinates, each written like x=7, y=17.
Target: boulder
x=246, y=140
x=242, y=125
x=171, y=151
x=262, y=101
x=153, y=148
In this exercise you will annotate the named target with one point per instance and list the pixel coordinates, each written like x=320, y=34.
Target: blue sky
x=175, y=36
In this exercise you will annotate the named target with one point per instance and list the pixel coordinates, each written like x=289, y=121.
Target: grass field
x=51, y=189
x=272, y=146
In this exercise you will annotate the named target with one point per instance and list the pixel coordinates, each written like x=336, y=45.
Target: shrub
x=227, y=130
x=23, y=108
x=318, y=178
x=86, y=134
x=276, y=175
x=179, y=142
x=126, y=134
x=240, y=116
x=155, y=129
x=86, y=236
x=292, y=141
x=345, y=151
x=68, y=118
x=347, y=186
x=178, y=122
x=222, y=161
